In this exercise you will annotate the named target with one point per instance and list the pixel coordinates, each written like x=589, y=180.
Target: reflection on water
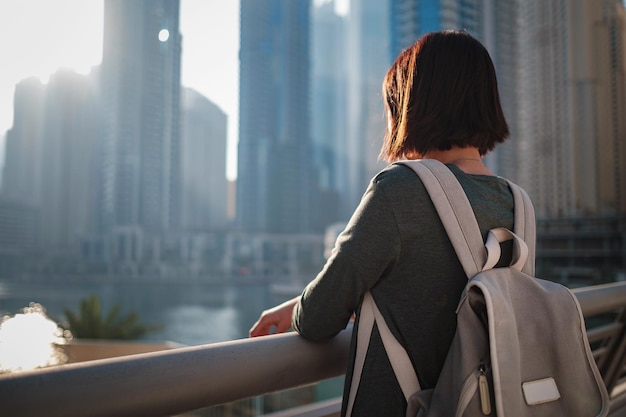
x=30, y=340
x=194, y=322
x=190, y=313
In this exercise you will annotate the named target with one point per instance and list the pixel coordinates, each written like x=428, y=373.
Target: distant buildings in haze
x=275, y=178
x=140, y=80
x=101, y=165
x=125, y=166
x=203, y=152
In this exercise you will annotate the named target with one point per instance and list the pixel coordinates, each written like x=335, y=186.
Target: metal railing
x=175, y=381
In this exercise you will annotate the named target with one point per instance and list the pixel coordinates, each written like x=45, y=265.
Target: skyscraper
x=21, y=179
x=140, y=88
x=573, y=137
x=329, y=77
x=50, y=157
x=68, y=182
x=500, y=35
x=274, y=179
x=204, y=188
x=410, y=19
x=367, y=58
x=572, y=142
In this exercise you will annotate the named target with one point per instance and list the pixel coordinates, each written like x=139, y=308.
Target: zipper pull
x=483, y=387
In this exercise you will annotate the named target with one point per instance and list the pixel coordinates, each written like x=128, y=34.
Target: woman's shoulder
x=478, y=182
x=398, y=181
x=393, y=174
x=401, y=179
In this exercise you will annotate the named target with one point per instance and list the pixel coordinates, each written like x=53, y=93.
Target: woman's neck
x=467, y=159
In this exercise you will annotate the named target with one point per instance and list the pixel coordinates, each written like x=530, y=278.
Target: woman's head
x=442, y=93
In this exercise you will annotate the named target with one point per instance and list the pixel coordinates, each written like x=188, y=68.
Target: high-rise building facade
x=50, y=158
x=21, y=179
x=18, y=236
x=410, y=19
x=328, y=127
x=203, y=150
x=572, y=142
x=368, y=59
x=140, y=89
x=500, y=35
x=274, y=179
x=68, y=161
x=573, y=101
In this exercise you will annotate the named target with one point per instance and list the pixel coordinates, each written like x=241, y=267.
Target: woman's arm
x=364, y=251
x=275, y=320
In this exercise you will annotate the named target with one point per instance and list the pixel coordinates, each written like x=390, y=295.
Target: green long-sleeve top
x=396, y=247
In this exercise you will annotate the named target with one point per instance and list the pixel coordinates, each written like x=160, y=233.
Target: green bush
x=91, y=323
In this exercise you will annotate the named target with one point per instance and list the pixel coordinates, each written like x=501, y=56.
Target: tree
x=90, y=323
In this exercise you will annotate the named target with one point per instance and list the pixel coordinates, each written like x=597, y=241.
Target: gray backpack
x=520, y=348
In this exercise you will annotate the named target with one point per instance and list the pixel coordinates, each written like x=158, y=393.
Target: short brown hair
x=440, y=93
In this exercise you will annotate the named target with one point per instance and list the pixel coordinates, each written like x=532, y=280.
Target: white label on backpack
x=540, y=391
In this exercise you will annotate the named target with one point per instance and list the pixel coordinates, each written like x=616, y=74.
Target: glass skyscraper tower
x=410, y=19
x=274, y=179
x=140, y=84
x=573, y=103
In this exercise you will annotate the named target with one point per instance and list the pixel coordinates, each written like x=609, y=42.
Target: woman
x=442, y=102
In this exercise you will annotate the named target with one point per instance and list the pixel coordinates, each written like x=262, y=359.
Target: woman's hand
x=274, y=320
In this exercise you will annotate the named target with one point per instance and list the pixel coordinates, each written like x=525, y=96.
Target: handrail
x=171, y=382
x=597, y=299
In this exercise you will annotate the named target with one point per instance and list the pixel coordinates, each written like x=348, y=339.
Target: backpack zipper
x=483, y=387
x=477, y=380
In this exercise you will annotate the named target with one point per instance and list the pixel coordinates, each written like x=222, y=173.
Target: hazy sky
x=40, y=36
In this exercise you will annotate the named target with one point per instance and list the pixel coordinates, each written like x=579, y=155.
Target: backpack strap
x=525, y=225
x=398, y=357
x=458, y=218
x=455, y=212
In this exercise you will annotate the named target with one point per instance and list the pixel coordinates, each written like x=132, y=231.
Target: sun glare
x=164, y=35
x=342, y=7
x=30, y=340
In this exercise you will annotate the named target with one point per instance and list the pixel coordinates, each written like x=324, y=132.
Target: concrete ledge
x=82, y=350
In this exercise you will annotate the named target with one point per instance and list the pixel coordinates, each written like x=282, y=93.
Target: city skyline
x=565, y=120
x=52, y=36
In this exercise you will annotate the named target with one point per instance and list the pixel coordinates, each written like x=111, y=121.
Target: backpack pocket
x=477, y=390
